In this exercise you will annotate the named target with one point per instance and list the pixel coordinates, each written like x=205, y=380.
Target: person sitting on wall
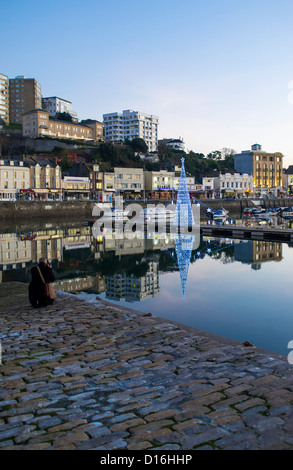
x=37, y=287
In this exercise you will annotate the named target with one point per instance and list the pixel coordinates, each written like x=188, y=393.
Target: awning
x=30, y=191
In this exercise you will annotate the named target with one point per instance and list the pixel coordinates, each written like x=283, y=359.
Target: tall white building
x=4, y=98
x=55, y=105
x=130, y=125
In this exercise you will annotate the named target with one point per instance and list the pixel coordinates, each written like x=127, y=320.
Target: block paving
x=88, y=375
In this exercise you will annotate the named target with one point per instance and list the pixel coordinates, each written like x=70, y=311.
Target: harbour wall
x=16, y=211
x=31, y=210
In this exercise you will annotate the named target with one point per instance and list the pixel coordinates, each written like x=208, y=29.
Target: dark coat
x=37, y=287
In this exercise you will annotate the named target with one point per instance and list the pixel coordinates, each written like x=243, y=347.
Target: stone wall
x=34, y=210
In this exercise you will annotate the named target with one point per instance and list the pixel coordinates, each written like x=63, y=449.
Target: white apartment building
x=236, y=184
x=75, y=187
x=55, y=105
x=129, y=288
x=15, y=252
x=14, y=179
x=130, y=125
x=4, y=98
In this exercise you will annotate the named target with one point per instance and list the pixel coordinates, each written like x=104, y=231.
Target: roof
x=289, y=170
x=15, y=163
x=50, y=97
x=33, y=161
x=34, y=110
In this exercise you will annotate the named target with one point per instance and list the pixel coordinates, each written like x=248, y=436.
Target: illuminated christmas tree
x=183, y=212
x=183, y=219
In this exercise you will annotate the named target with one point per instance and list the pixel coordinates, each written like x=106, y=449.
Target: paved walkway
x=81, y=375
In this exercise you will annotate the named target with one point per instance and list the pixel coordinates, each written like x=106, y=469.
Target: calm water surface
x=238, y=289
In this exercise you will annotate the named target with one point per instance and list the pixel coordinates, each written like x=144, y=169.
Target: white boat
x=150, y=213
x=256, y=202
x=116, y=214
x=220, y=215
x=287, y=213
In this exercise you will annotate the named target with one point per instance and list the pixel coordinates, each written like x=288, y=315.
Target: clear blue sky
x=216, y=72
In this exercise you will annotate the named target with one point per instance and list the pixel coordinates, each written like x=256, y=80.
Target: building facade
x=25, y=94
x=4, y=99
x=159, y=184
x=14, y=179
x=130, y=288
x=265, y=168
x=55, y=105
x=96, y=177
x=45, y=178
x=129, y=182
x=234, y=184
x=37, y=123
x=130, y=125
x=75, y=188
x=174, y=144
x=288, y=180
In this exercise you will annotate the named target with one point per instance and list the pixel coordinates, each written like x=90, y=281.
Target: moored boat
x=287, y=213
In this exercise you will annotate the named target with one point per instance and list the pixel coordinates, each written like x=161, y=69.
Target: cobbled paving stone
x=84, y=375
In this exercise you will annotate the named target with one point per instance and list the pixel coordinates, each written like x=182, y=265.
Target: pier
x=250, y=233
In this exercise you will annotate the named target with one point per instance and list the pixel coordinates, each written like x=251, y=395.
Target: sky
x=218, y=73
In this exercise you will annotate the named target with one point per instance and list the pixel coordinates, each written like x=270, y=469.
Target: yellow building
x=266, y=168
x=37, y=123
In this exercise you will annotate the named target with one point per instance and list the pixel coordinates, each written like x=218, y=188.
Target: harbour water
x=239, y=289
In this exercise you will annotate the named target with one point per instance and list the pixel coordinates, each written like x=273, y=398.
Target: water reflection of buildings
x=131, y=288
x=18, y=251
x=256, y=252
x=76, y=255
x=95, y=284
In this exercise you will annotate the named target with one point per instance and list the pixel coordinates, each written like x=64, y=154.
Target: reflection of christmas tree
x=183, y=214
x=183, y=218
x=183, y=246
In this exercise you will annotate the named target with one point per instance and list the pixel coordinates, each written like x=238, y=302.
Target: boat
x=253, y=211
x=287, y=213
x=156, y=214
x=220, y=215
x=246, y=211
x=256, y=202
x=220, y=212
x=116, y=214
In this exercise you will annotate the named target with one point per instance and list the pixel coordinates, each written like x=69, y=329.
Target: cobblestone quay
x=90, y=375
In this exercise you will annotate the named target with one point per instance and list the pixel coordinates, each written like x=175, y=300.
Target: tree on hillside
x=65, y=163
x=138, y=145
x=64, y=117
x=227, y=153
x=215, y=155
